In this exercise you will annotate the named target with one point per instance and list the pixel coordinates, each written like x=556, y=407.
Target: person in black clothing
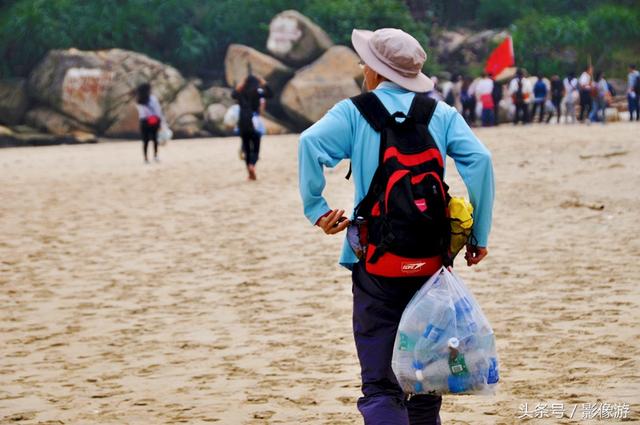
x=250, y=95
x=150, y=115
x=584, y=84
x=497, y=97
x=468, y=101
x=557, y=93
x=519, y=97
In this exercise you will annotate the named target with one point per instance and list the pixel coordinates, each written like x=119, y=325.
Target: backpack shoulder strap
x=372, y=110
x=422, y=108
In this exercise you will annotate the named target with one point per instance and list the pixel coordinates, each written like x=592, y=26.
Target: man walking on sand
x=393, y=62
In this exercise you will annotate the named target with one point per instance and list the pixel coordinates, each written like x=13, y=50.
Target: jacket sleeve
x=474, y=164
x=324, y=144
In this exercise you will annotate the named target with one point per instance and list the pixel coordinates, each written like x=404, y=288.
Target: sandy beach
x=180, y=292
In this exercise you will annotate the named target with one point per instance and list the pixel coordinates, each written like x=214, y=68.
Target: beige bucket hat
x=395, y=55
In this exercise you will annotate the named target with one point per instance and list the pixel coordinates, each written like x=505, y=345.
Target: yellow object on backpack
x=461, y=219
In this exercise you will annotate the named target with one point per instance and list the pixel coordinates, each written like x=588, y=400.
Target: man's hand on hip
x=334, y=222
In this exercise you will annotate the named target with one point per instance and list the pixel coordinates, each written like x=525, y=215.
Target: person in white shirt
x=584, y=85
x=484, y=96
x=150, y=115
x=570, y=96
x=520, y=90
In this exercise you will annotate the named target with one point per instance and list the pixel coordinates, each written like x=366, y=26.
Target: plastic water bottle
x=433, y=376
x=493, y=375
x=460, y=379
x=465, y=323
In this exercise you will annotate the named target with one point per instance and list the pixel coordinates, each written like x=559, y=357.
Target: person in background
x=557, y=93
x=497, y=97
x=633, y=92
x=150, y=115
x=450, y=93
x=584, y=85
x=251, y=95
x=468, y=101
x=539, y=98
x=484, y=95
x=520, y=90
x=600, y=95
x=571, y=95
x=435, y=93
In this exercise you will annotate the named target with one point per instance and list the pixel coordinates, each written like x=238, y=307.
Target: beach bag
x=165, y=134
x=461, y=222
x=444, y=343
x=405, y=211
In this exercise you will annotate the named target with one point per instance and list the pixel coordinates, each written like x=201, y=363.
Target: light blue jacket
x=343, y=133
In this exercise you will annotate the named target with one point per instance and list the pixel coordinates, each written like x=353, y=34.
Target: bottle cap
x=454, y=342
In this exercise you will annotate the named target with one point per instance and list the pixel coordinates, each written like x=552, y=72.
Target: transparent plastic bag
x=165, y=134
x=445, y=344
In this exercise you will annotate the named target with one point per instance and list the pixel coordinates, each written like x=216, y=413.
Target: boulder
x=337, y=61
x=449, y=42
x=306, y=100
x=97, y=88
x=319, y=86
x=5, y=131
x=14, y=101
x=53, y=122
x=217, y=94
x=187, y=126
x=214, y=119
x=186, y=102
x=295, y=39
x=240, y=60
x=27, y=136
x=126, y=123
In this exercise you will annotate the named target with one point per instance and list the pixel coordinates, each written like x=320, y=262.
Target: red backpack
x=404, y=217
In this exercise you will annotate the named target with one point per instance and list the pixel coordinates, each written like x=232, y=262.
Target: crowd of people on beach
x=525, y=99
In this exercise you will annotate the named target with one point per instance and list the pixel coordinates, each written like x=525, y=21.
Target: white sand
x=180, y=292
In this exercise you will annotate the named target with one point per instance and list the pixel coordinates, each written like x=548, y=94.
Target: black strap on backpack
x=376, y=114
x=421, y=110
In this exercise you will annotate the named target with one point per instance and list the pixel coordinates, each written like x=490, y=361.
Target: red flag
x=502, y=57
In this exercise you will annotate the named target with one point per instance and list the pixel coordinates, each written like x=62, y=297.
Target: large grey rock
x=98, y=88
x=186, y=102
x=319, y=86
x=295, y=39
x=187, y=126
x=214, y=119
x=22, y=135
x=217, y=94
x=50, y=121
x=240, y=60
x=14, y=101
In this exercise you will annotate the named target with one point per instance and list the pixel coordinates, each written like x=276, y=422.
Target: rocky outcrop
x=214, y=119
x=319, y=86
x=13, y=101
x=241, y=60
x=216, y=94
x=53, y=122
x=26, y=136
x=186, y=102
x=295, y=39
x=97, y=89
